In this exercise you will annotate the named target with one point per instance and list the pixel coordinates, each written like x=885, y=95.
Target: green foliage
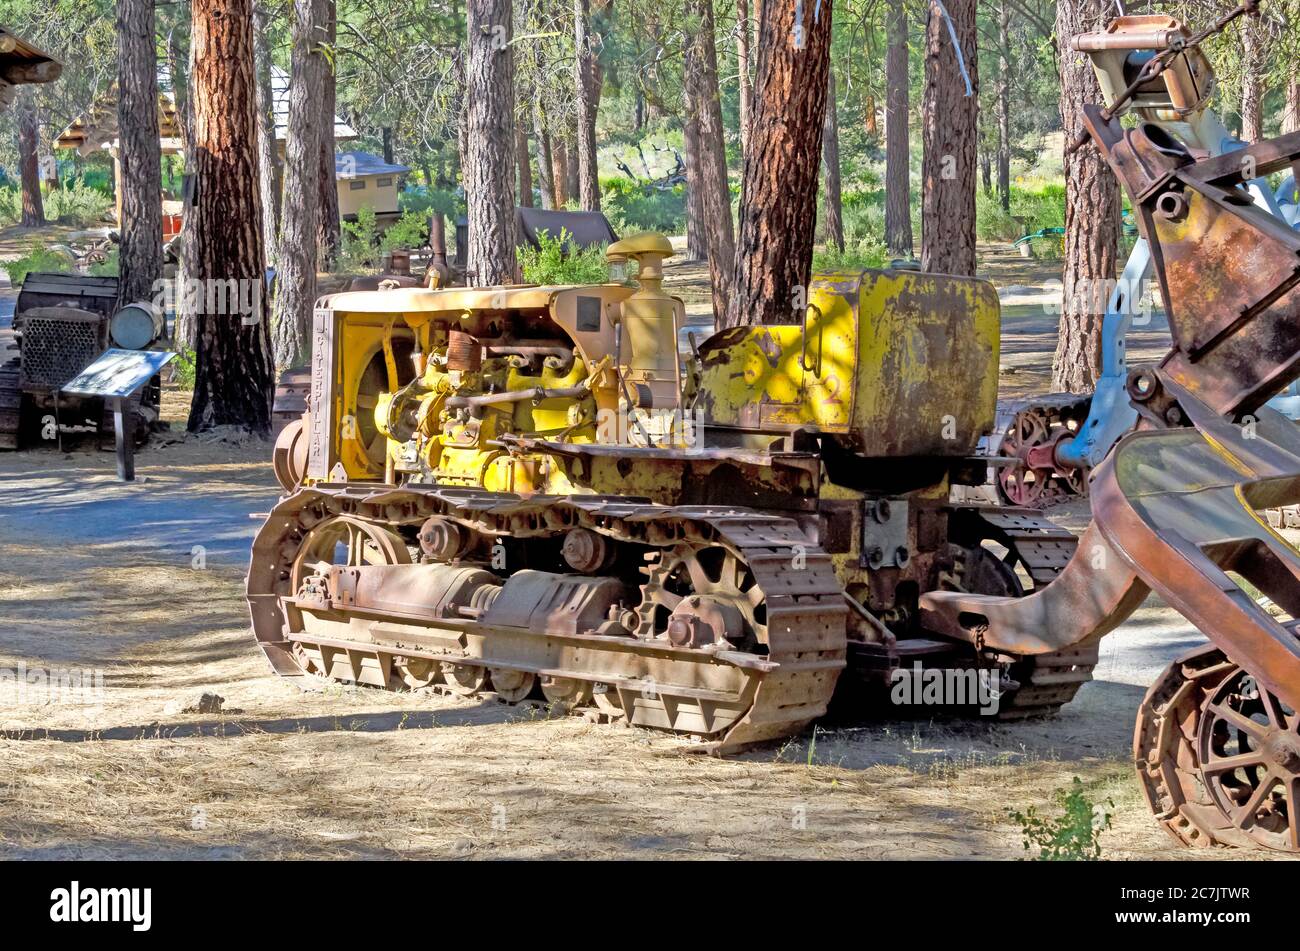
x=1072, y=837
x=427, y=200
x=183, y=368
x=359, y=243
x=78, y=205
x=554, y=264
x=866, y=253
x=37, y=258
x=409, y=231
x=11, y=205
x=362, y=244
x=631, y=206
x=1031, y=210
x=74, y=204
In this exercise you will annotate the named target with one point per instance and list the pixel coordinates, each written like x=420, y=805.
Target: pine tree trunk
x=234, y=371
x=584, y=81
x=1291, y=115
x=268, y=155
x=1092, y=211
x=746, y=90
x=560, y=171
x=950, y=135
x=296, y=278
x=541, y=135
x=545, y=166
x=710, y=181
x=489, y=163
x=180, y=91
x=778, y=198
x=29, y=134
x=1253, y=68
x=898, y=172
x=1004, y=105
x=327, y=221
x=140, y=254
x=697, y=233
x=572, y=168
x=524, y=165
x=187, y=319
x=833, y=212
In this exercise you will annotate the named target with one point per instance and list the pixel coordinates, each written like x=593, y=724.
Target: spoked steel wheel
x=702, y=595
x=1249, y=752
x=1020, y=484
x=344, y=541
x=1219, y=756
x=347, y=541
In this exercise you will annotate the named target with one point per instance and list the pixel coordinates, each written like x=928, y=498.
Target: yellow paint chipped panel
x=899, y=362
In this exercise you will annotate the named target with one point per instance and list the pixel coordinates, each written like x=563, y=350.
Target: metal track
x=732, y=698
x=11, y=401
x=1047, y=681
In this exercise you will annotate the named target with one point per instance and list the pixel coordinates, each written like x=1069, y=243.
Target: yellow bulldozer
x=546, y=493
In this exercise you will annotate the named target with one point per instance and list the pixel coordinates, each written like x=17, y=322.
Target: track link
x=11, y=402
x=1041, y=549
x=731, y=698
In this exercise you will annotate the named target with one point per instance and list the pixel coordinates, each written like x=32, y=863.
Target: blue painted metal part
x=1111, y=415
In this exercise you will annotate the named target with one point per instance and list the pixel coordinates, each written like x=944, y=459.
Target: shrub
x=554, y=263
x=866, y=253
x=1031, y=210
x=1071, y=837
x=409, y=231
x=74, y=204
x=37, y=258
x=183, y=368
x=359, y=243
x=77, y=205
x=631, y=206
x=11, y=205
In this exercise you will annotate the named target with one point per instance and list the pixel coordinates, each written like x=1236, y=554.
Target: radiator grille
x=56, y=349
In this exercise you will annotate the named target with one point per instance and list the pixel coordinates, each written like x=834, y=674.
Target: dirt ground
x=143, y=584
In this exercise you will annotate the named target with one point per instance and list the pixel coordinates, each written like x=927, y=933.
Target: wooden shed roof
x=22, y=63
x=97, y=127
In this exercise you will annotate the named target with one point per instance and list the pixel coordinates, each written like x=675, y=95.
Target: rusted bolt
x=1172, y=206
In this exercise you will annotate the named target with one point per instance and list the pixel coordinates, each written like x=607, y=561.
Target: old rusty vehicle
x=579, y=229
x=62, y=323
x=530, y=491
x=1057, y=438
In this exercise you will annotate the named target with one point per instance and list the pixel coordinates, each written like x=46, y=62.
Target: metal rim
x=347, y=541
x=713, y=572
x=1020, y=484
x=512, y=685
x=1248, y=747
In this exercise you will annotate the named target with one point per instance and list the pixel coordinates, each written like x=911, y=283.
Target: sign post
x=114, y=377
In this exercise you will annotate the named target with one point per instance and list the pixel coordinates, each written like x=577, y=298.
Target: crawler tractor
x=534, y=492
